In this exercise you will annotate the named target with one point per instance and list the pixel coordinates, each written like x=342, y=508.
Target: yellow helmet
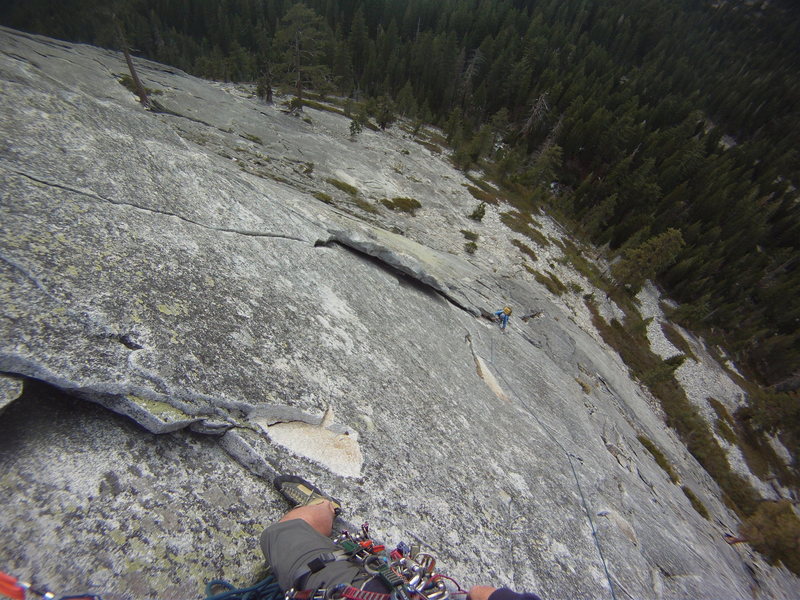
x=507, y=310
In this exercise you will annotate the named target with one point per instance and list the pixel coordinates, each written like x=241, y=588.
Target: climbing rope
x=266, y=589
x=569, y=456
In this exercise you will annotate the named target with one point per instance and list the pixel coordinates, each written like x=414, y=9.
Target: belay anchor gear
x=409, y=574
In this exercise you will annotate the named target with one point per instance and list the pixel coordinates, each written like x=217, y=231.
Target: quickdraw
x=410, y=574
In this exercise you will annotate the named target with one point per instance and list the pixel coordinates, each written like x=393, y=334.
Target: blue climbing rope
x=266, y=589
x=569, y=456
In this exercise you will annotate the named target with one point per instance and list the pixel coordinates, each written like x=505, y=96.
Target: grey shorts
x=290, y=545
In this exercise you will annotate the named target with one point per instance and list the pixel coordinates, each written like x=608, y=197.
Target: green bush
x=432, y=147
x=774, y=530
x=479, y=212
x=550, y=281
x=524, y=224
x=470, y=247
x=323, y=197
x=251, y=138
x=409, y=205
x=696, y=504
x=659, y=457
x=677, y=340
x=470, y=235
x=345, y=187
x=365, y=205
x=127, y=82
x=725, y=423
x=479, y=194
x=574, y=287
x=524, y=249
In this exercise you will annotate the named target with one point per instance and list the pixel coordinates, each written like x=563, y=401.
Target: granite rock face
x=180, y=270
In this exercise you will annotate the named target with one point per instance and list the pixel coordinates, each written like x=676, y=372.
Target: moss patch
x=549, y=280
x=659, y=457
x=526, y=225
x=696, y=503
x=525, y=249
x=126, y=81
x=341, y=185
x=408, y=205
x=323, y=197
x=430, y=146
x=365, y=205
x=251, y=138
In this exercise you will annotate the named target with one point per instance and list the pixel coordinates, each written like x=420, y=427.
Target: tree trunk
x=299, y=80
x=137, y=83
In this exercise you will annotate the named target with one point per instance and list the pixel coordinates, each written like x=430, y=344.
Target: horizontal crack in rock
x=99, y=198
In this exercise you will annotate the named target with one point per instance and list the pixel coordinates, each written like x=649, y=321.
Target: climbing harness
x=408, y=573
x=19, y=590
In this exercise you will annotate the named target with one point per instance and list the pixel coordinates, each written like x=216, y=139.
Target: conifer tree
x=302, y=41
x=648, y=259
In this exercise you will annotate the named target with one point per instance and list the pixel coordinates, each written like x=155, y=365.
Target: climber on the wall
x=503, y=316
x=308, y=565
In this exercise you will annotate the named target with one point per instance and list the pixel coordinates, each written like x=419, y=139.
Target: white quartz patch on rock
x=334, y=447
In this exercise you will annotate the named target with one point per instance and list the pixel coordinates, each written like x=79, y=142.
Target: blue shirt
x=503, y=318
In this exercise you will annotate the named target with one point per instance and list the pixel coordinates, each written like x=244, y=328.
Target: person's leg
x=319, y=515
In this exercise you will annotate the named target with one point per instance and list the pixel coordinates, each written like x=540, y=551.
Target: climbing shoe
x=300, y=492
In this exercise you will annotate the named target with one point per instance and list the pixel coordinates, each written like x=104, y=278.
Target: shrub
x=432, y=147
x=127, y=82
x=524, y=249
x=251, y=138
x=659, y=457
x=677, y=340
x=524, y=224
x=365, y=205
x=724, y=422
x=345, y=187
x=483, y=190
x=355, y=128
x=479, y=194
x=324, y=107
x=696, y=504
x=409, y=205
x=479, y=212
x=470, y=247
x=550, y=281
x=774, y=530
x=470, y=235
x=323, y=197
